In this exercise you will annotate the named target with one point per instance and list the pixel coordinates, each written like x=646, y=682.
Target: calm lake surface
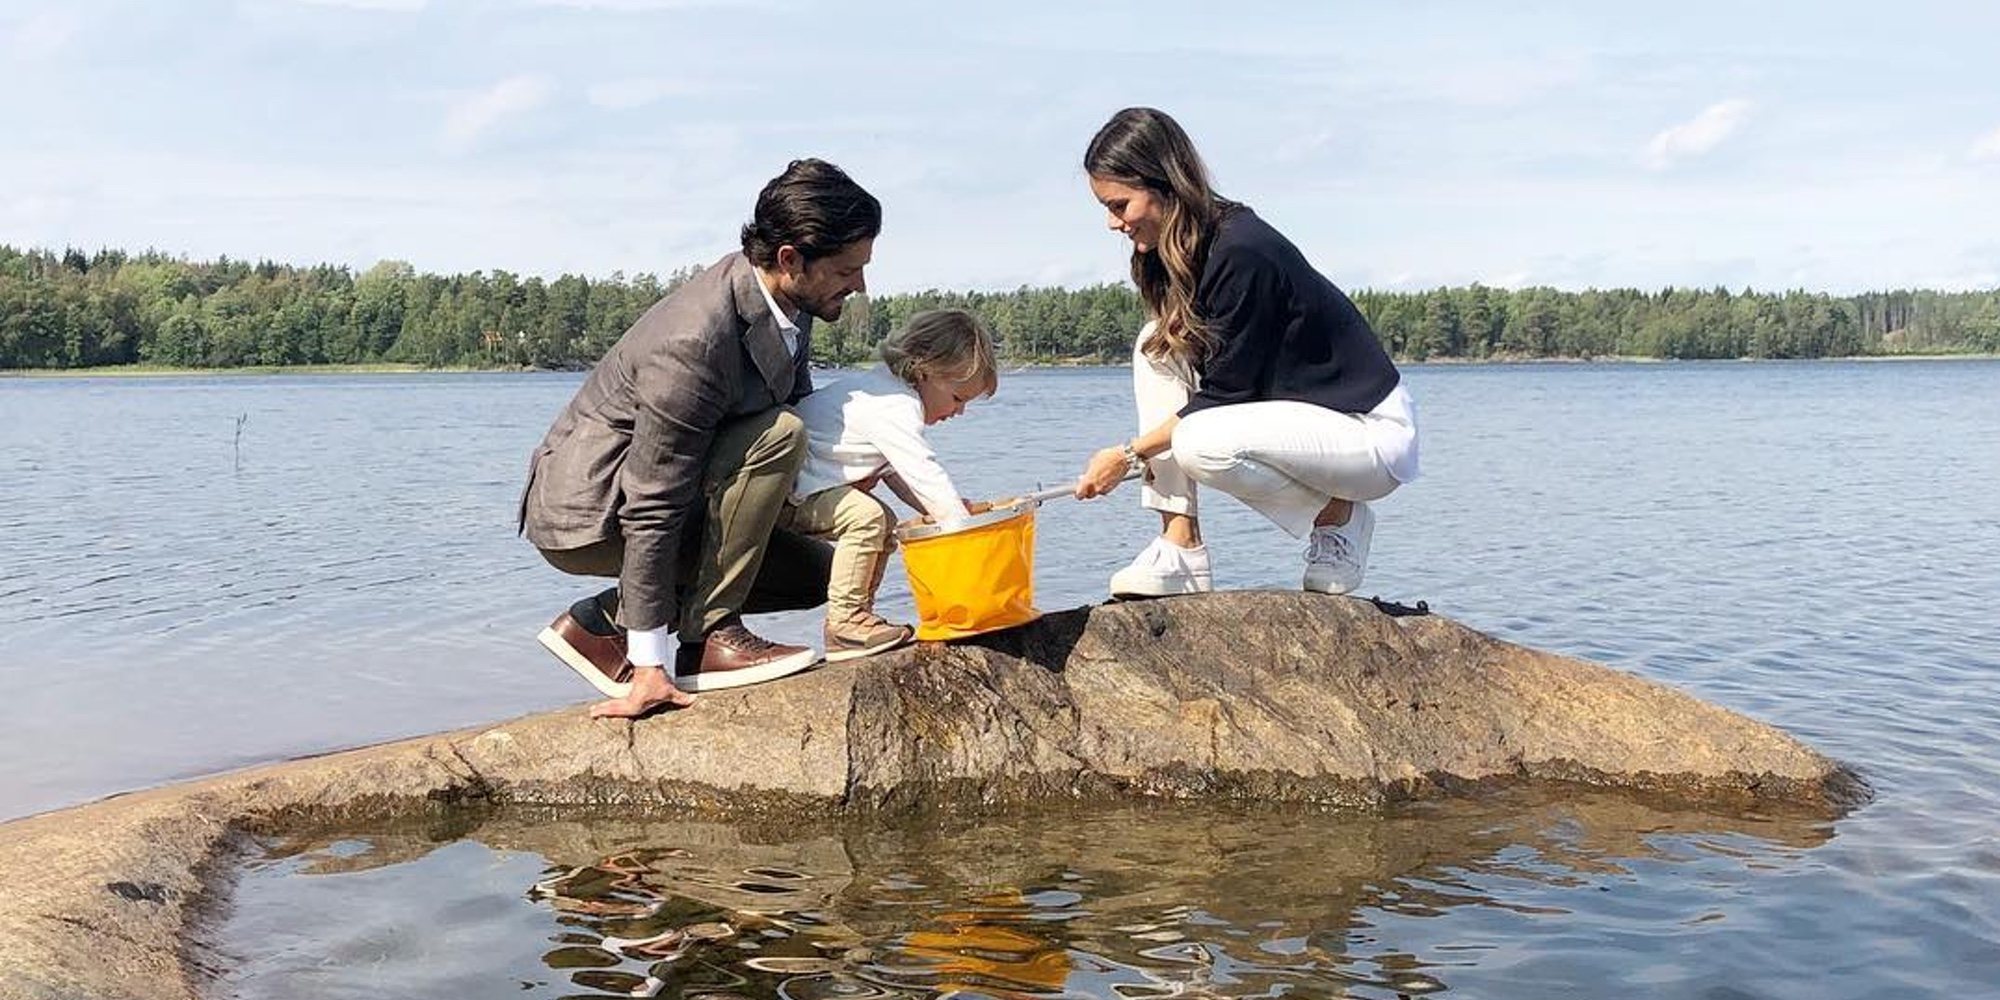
x=203, y=573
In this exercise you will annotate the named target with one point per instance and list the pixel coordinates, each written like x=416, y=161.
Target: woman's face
x=1135, y=211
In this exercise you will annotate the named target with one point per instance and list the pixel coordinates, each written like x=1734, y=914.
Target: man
x=670, y=467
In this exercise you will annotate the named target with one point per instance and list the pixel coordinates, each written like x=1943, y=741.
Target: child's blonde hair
x=949, y=344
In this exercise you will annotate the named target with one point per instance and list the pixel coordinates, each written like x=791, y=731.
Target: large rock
x=1271, y=696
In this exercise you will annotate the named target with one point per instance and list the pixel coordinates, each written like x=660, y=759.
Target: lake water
x=204, y=573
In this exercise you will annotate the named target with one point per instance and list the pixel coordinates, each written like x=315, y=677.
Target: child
x=870, y=428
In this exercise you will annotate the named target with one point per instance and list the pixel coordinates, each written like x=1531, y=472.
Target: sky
x=1832, y=145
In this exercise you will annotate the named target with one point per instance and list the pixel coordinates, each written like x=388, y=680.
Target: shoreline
x=393, y=368
x=163, y=371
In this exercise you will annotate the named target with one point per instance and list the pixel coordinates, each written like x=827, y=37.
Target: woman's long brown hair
x=1146, y=148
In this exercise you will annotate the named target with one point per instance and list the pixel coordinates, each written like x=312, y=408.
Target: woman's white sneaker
x=1338, y=554
x=1163, y=569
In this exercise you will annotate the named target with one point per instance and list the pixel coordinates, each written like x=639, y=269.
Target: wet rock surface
x=1272, y=696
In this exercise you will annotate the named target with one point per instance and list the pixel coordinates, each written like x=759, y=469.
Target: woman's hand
x=977, y=506
x=1107, y=468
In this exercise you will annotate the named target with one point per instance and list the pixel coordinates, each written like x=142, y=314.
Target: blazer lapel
x=762, y=339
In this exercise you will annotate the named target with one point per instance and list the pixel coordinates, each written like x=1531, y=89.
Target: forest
x=110, y=308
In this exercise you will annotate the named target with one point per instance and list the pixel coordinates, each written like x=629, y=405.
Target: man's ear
x=791, y=261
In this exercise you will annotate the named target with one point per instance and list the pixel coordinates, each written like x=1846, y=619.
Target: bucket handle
x=1040, y=497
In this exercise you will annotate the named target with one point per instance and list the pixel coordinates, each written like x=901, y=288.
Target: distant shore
x=1641, y=359
x=386, y=368
x=166, y=371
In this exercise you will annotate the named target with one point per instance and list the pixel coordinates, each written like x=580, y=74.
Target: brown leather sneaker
x=585, y=639
x=732, y=656
x=863, y=634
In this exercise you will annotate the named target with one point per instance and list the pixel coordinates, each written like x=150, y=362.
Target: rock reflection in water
x=1136, y=901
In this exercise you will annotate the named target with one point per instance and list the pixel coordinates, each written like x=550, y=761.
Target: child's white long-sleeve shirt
x=863, y=423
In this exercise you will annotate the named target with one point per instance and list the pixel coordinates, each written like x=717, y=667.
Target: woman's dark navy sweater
x=1282, y=330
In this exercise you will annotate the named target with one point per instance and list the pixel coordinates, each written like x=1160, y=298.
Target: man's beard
x=827, y=310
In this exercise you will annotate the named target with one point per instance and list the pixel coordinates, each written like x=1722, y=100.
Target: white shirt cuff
x=646, y=647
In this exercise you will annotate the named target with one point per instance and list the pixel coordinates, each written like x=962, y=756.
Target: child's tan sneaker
x=863, y=634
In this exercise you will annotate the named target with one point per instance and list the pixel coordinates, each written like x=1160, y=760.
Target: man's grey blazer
x=625, y=458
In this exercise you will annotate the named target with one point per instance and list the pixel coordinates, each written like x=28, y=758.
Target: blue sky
x=1825, y=145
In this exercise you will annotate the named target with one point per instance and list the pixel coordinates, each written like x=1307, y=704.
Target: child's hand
x=977, y=506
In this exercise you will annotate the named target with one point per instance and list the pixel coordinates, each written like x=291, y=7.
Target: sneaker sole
x=1133, y=594
x=1325, y=586
x=748, y=675
x=854, y=654
x=581, y=664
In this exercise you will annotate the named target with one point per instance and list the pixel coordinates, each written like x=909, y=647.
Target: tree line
x=73, y=310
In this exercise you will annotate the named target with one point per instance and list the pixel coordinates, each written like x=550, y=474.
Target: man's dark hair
x=813, y=206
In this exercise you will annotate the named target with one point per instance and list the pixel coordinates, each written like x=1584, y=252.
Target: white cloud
x=1071, y=274
x=474, y=116
x=1988, y=146
x=635, y=6
x=44, y=32
x=396, y=5
x=1493, y=83
x=637, y=93
x=32, y=212
x=1697, y=135
x=1960, y=281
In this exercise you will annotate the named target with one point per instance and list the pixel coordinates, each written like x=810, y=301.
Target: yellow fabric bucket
x=978, y=576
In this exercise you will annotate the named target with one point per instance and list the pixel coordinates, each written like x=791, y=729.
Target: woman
x=1255, y=375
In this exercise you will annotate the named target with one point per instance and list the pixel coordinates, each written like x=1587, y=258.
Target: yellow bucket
x=977, y=576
